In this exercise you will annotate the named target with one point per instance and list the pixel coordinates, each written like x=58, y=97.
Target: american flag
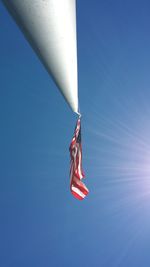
x=77, y=187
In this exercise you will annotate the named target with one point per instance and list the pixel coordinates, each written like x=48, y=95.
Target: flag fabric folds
x=77, y=187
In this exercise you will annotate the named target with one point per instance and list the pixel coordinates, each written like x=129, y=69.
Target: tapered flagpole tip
x=50, y=27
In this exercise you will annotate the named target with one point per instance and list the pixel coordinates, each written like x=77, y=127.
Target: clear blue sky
x=41, y=224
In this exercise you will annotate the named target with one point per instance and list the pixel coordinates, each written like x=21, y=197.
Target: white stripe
x=76, y=190
x=79, y=164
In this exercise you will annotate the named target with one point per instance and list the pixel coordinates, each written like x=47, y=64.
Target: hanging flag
x=77, y=187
